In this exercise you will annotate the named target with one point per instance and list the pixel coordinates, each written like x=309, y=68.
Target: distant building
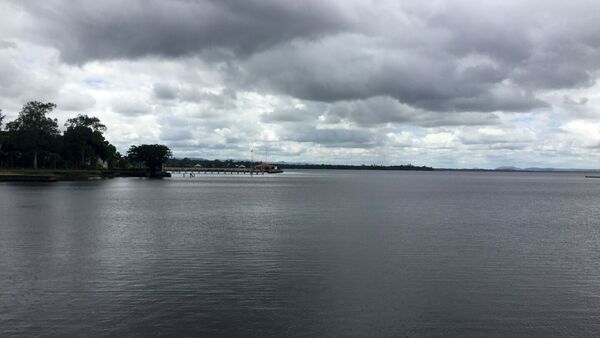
x=101, y=163
x=265, y=167
x=198, y=166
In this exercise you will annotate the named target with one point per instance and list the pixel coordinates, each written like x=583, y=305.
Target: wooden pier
x=220, y=171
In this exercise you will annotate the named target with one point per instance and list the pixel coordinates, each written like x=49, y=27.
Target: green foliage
x=2, y=140
x=32, y=118
x=85, y=121
x=120, y=161
x=152, y=155
x=34, y=137
x=84, y=142
x=33, y=132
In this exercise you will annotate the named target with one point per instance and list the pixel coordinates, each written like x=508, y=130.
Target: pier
x=220, y=171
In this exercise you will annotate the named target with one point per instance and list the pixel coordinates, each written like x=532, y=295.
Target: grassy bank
x=51, y=175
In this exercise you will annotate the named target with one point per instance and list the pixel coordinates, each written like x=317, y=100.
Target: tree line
x=34, y=140
x=205, y=163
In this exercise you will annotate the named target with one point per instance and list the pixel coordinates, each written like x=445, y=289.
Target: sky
x=453, y=84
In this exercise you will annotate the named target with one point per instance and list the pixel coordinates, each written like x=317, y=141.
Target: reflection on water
x=306, y=253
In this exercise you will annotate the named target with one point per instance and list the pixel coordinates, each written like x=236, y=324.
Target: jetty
x=592, y=176
x=219, y=171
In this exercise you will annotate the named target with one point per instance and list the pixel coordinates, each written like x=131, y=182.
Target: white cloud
x=461, y=83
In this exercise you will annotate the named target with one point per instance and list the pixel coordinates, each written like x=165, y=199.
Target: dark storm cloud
x=381, y=110
x=469, y=56
x=109, y=29
x=539, y=44
x=557, y=70
x=336, y=70
x=445, y=56
x=372, y=111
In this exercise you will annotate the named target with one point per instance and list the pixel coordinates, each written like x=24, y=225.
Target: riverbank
x=53, y=175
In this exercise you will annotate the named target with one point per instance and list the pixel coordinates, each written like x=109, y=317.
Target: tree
x=106, y=151
x=83, y=120
x=83, y=140
x=152, y=155
x=33, y=131
x=2, y=139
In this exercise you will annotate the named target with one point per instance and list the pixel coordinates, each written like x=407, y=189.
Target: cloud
x=34, y=78
x=289, y=115
x=496, y=135
x=464, y=59
x=112, y=29
x=175, y=134
x=462, y=82
x=129, y=107
x=582, y=134
x=75, y=101
x=5, y=44
x=345, y=138
x=333, y=70
x=385, y=110
x=164, y=91
x=220, y=99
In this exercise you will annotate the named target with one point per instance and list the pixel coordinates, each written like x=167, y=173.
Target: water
x=305, y=253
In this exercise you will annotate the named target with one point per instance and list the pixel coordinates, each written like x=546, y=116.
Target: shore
x=53, y=175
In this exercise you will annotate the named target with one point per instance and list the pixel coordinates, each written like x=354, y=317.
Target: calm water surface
x=305, y=253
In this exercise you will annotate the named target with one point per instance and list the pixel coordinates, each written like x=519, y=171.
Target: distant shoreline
x=54, y=175
x=355, y=167
x=377, y=168
x=231, y=163
x=540, y=170
x=575, y=171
